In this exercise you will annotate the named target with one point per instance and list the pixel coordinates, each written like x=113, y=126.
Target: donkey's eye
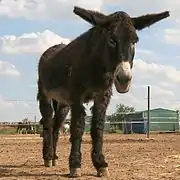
x=112, y=42
x=133, y=45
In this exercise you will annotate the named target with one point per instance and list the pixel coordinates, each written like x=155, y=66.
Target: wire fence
x=150, y=120
x=123, y=127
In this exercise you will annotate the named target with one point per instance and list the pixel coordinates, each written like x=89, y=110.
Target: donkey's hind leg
x=46, y=112
x=60, y=115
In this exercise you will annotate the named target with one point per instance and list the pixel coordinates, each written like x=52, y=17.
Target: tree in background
x=121, y=110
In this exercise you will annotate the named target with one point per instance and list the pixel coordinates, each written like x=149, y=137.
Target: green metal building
x=88, y=123
x=163, y=120
x=160, y=120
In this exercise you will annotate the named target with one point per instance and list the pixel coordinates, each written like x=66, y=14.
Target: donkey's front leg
x=77, y=129
x=101, y=102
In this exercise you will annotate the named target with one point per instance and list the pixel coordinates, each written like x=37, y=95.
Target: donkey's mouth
x=122, y=88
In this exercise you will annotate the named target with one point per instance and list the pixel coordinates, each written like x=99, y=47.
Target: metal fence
x=126, y=127
x=141, y=127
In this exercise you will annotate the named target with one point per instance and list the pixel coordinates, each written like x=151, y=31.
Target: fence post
x=178, y=120
x=148, y=128
x=35, y=127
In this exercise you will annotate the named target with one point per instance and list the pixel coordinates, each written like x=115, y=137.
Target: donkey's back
x=52, y=80
x=62, y=68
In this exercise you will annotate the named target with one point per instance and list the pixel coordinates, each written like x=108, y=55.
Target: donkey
x=85, y=70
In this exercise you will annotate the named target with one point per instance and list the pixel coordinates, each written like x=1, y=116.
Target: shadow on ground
x=10, y=171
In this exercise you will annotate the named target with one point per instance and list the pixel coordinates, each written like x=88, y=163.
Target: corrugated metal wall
x=160, y=120
x=163, y=120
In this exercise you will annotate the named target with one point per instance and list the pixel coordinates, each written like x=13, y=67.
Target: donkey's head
x=120, y=39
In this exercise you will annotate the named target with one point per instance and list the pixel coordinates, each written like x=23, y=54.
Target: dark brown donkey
x=85, y=70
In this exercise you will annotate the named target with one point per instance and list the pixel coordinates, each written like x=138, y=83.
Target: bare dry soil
x=130, y=157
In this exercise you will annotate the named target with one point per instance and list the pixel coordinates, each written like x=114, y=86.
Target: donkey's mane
x=52, y=51
x=120, y=18
x=123, y=19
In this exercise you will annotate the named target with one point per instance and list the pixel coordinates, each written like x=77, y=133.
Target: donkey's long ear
x=93, y=17
x=142, y=22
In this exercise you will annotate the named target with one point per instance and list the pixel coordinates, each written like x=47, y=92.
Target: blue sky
x=29, y=27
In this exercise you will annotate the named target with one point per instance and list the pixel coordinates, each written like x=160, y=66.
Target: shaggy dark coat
x=85, y=70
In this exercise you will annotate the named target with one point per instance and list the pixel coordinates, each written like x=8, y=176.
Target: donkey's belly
x=62, y=95
x=59, y=94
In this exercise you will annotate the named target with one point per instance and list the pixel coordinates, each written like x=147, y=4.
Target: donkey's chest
x=79, y=88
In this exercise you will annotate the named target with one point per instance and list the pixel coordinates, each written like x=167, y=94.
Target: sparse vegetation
x=7, y=130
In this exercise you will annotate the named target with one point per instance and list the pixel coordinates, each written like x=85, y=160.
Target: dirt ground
x=130, y=157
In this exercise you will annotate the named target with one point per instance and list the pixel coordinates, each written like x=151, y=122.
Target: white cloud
x=4, y=105
x=163, y=94
x=153, y=71
x=144, y=51
x=30, y=43
x=61, y=9
x=44, y=9
x=139, y=7
x=12, y=110
x=172, y=36
x=8, y=69
x=142, y=7
x=163, y=80
x=22, y=103
x=38, y=42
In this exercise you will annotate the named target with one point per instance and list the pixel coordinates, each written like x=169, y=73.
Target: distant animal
x=64, y=127
x=85, y=70
x=23, y=128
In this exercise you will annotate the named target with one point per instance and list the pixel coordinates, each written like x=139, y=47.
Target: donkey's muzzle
x=122, y=84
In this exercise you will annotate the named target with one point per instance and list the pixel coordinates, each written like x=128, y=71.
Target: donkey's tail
x=39, y=97
x=41, y=121
x=39, y=91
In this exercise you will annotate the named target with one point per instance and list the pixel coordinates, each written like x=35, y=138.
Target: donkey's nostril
x=117, y=77
x=123, y=80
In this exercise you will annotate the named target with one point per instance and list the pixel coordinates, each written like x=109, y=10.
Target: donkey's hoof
x=54, y=162
x=75, y=172
x=103, y=172
x=47, y=163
